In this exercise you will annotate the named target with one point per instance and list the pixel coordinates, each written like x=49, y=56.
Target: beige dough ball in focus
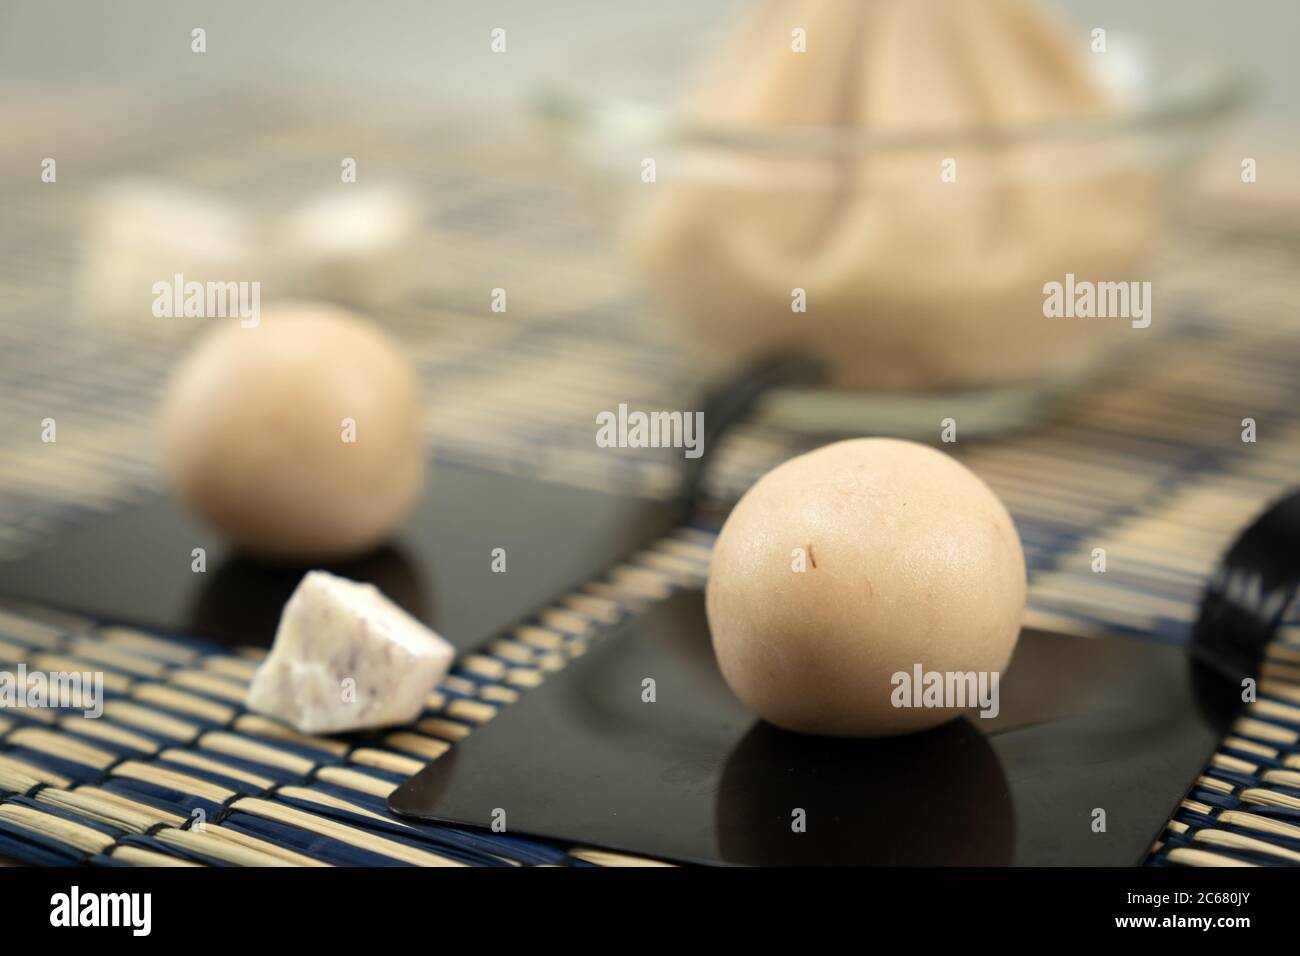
x=909, y=559
x=253, y=433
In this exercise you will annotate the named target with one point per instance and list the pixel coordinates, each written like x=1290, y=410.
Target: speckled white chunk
x=345, y=658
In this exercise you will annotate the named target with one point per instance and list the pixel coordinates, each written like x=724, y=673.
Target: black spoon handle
x=731, y=402
x=1249, y=592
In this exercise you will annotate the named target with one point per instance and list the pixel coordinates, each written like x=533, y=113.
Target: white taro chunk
x=346, y=658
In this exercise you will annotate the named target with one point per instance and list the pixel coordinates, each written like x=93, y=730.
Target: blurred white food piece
x=145, y=231
x=346, y=658
x=352, y=244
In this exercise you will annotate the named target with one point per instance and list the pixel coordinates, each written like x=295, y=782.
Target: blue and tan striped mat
x=176, y=772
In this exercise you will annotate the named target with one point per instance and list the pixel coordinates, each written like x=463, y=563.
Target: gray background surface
x=438, y=49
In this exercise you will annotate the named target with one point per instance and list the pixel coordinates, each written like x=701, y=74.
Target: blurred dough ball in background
x=144, y=231
x=254, y=430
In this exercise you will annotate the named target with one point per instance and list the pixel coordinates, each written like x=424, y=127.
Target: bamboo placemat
x=176, y=772
x=1147, y=463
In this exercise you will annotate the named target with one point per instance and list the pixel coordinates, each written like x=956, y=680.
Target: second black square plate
x=135, y=566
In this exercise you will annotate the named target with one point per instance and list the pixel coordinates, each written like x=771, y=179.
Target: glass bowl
x=922, y=291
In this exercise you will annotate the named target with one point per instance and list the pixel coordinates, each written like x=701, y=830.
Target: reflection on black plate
x=134, y=566
x=245, y=595
x=1085, y=725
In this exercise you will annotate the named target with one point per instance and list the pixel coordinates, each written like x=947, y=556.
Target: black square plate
x=1086, y=724
x=134, y=566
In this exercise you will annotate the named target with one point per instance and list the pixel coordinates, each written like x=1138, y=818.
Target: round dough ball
x=909, y=559
x=253, y=433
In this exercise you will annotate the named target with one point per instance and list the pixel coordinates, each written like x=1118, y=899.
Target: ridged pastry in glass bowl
x=896, y=197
